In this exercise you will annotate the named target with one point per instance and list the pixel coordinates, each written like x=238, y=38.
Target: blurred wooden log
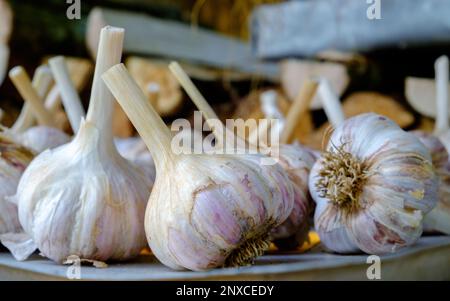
x=157, y=37
x=6, y=17
x=363, y=102
x=294, y=73
x=421, y=95
x=168, y=97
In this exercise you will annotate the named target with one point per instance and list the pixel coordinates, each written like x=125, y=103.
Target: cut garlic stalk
x=69, y=95
x=295, y=160
x=204, y=211
x=83, y=198
x=372, y=187
x=42, y=80
x=45, y=135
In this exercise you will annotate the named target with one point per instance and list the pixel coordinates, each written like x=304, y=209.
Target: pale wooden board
x=429, y=259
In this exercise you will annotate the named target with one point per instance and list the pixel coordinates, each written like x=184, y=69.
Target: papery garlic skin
x=40, y=138
x=439, y=218
x=222, y=205
x=297, y=161
x=14, y=158
x=398, y=186
x=83, y=199
x=134, y=150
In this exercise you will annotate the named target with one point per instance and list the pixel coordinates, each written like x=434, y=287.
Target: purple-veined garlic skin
x=40, y=138
x=439, y=218
x=377, y=203
x=208, y=211
x=297, y=161
x=14, y=158
x=84, y=199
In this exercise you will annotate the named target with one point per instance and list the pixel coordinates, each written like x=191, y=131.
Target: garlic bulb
x=14, y=158
x=372, y=187
x=204, y=211
x=295, y=160
x=439, y=218
x=83, y=198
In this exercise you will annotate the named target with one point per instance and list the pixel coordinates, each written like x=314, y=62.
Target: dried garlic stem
x=69, y=95
x=42, y=80
x=22, y=81
x=331, y=103
x=4, y=59
x=101, y=106
x=299, y=107
x=221, y=133
x=155, y=134
x=342, y=178
x=441, y=71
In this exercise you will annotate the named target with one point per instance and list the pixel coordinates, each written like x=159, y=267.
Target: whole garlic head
x=14, y=158
x=372, y=187
x=220, y=214
x=204, y=211
x=83, y=199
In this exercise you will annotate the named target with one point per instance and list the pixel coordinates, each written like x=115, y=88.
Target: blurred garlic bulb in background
x=45, y=135
x=439, y=218
x=297, y=161
x=372, y=187
x=14, y=158
x=204, y=211
x=83, y=198
x=134, y=150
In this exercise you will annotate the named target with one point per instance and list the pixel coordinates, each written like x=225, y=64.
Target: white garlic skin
x=297, y=161
x=134, y=150
x=83, y=199
x=13, y=161
x=400, y=189
x=438, y=220
x=40, y=138
x=202, y=208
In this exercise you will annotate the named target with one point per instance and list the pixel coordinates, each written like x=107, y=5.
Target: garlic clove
x=188, y=218
x=376, y=182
